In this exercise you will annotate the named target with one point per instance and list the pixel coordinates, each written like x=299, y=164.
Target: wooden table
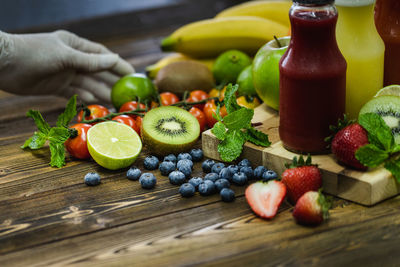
x=48, y=216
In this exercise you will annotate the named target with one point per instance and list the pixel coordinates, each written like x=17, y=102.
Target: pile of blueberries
x=218, y=177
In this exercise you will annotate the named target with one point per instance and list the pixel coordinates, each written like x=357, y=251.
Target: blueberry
x=92, y=178
x=259, y=171
x=225, y=173
x=184, y=156
x=269, y=175
x=166, y=167
x=221, y=183
x=248, y=171
x=150, y=163
x=227, y=195
x=233, y=168
x=206, y=188
x=187, y=190
x=170, y=157
x=185, y=169
x=133, y=174
x=207, y=165
x=211, y=176
x=184, y=162
x=244, y=163
x=239, y=178
x=147, y=180
x=217, y=167
x=197, y=154
x=195, y=181
x=176, y=177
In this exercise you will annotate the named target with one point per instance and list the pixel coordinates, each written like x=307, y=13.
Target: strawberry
x=346, y=142
x=301, y=177
x=311, y=209
x=265, y=198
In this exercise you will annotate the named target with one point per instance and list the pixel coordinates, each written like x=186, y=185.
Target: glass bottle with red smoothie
x=387, y=21
x=312, y=78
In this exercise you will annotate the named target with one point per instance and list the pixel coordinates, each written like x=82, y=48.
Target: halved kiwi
x=388, y=107
x=169, y=129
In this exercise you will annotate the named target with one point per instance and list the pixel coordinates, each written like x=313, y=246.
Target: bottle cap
x=351, y=3
x=314, y=2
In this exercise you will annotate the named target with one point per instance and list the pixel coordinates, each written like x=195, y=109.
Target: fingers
x=82, y=44
x=122, y=68
x=90, y=62
x=106, y=77
x=98, y=89
x=83, y=94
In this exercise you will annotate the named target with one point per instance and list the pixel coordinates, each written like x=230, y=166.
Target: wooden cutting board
x=367, y=188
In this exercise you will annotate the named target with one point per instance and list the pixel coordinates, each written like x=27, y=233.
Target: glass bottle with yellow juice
x=363, y=50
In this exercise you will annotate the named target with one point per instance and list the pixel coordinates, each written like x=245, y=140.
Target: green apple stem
x=277, y=41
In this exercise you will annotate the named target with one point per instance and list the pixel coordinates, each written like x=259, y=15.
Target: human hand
x=58, y=63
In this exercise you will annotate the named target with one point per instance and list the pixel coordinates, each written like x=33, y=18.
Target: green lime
x=132, y=87
x=245, y=82
x=228, y=66
x=389, y=90
x=113, y=145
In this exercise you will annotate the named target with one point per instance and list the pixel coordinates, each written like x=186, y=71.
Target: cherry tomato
x=197, y=95
x=153, y=104
x=248, y=102
x=96, y=111
x=200, y=116
x=218, y=93
x=139, y=123
x=168, y=98
x=209, y=109
x=131, y=105
x=77, y=146
x=125, y=119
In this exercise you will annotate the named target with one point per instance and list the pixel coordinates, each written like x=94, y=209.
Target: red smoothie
x=312, y=80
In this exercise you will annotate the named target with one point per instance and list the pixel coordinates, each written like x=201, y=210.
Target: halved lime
x=389, y=90
x=113, y=145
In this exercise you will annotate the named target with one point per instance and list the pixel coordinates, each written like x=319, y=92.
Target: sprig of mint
x=55, y=135
x=235, y=128
x=382, y=148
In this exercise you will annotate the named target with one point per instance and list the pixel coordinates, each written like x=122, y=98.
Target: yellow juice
x=364, y=52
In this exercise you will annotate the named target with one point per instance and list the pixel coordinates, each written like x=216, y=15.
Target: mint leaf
x=371, y=156
x=230, y=98
x=39, y=121
x=217, y=114
x=58, y=134
x=393, y=166
x=257, y=137
x=35, y=142
x=231, y=147
x=57, y=154
x=219, y=130
x=238, y=119
x=69, y=113
x=396, y=149
x=379, y=133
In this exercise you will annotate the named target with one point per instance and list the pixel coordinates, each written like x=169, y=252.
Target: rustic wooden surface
x=49, y=217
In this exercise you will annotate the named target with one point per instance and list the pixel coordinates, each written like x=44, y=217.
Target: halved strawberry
x=265, y=198
x=311, y=209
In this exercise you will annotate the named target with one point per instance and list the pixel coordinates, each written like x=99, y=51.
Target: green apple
x=266, y=71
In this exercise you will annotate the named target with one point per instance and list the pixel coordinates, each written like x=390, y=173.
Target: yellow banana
x=152, y=70
x=208, y=38
x=273, y=10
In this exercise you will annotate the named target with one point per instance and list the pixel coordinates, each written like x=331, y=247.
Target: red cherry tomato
x=199, y=116
x=96, y=111
x=209, y=109
x=77, y=146
x=168, y=98
x=131, y=105
x=139, y=123
x=197, y=95
x=125, y=119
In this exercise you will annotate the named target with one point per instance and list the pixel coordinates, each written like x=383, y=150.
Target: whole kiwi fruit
x=182, y=76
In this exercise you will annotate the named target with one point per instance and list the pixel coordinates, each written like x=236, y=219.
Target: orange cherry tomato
x=153, y=104
x=218, y=93
x=168, y=98
x=125, y=119
x=96, y=111
x=197, y=95
x=131, y=105
x=139, y=123
x=244, y=102
x=200, y=116
x=209, y=109
x=77, y=146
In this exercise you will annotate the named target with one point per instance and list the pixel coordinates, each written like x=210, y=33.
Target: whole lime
x=266, y=71
x=132, y=87
x=245, y=82
x=228, y=66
